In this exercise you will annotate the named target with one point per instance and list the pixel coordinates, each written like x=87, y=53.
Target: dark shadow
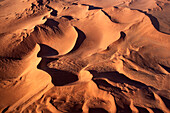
x=155, y=110
x=91, y=7
x=53, y=25
x=97, y=110
x=126, y=109
x=142, y=110
x=43, y=64
x=45, y=50
x=68, y=17
x=80, y=39
x=5, y=109
x=2, y=34
x=40, y=2
x=166, y=101
x=23, y=49
x=74, y=4
x=154, y=20
x=106, y=85
x=10, y=58
x=59, y=77
x=113, y=20
x=122, y=35
x=116, y=7
x=76, y=108
x=117, y=78
x=113, y=45
x=33, y=6
x=165, y=67
x=54, y=13
x=107, y=15
x=122, y=103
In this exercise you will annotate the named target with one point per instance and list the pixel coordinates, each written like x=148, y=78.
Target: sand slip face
x=84, y=56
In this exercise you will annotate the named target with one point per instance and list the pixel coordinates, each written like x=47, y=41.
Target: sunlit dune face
x=84, y=56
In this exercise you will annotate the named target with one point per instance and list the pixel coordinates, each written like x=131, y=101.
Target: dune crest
x=84, y=56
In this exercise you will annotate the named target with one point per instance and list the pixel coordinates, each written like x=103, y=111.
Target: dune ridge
x=84, y=56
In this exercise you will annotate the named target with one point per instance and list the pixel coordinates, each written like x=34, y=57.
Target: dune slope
x=84, y=56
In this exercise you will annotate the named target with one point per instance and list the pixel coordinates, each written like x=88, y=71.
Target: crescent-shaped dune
x=84, y=56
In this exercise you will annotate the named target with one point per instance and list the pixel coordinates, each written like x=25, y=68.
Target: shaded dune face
x=84, y=56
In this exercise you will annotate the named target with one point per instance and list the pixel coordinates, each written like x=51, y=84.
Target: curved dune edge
x=16, y=91
x=84, y=56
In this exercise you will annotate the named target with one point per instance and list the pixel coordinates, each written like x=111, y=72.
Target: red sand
x=84, y=56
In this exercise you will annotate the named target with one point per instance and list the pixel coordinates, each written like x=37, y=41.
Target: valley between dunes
x=84, y=56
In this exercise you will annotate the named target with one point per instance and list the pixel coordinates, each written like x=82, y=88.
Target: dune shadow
x=165, y=67
x=117, y=78
x=111, y=19
x=4, y=111
x=54, y=13
x=91, y=7
x=155, y=110
x=121, y=101
x=154, y=20
x=142, y=110
x=46, y=50
x=68, y=17
x=166, y=101
x=113, y=46
x=53, y=25
x=106, y=85
x=80, y=39
x=40, y=2
x=122, y=35
x=74, y=4
x=59, y=77
x=97, y=110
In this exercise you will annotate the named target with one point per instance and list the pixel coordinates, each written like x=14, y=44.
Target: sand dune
x=84, y=56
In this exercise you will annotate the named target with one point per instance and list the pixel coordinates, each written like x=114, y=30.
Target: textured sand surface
x=84, y=56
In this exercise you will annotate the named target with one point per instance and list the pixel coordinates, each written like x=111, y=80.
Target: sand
x=84, y=56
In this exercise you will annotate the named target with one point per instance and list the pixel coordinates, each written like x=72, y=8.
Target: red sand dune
x=84, y=56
